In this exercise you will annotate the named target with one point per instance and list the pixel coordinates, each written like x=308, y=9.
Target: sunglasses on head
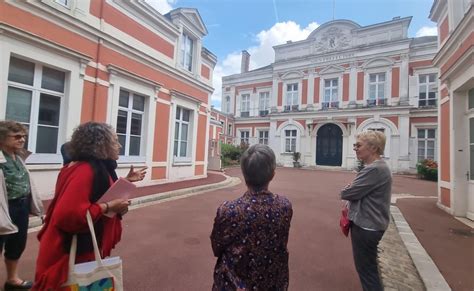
x=19, y=136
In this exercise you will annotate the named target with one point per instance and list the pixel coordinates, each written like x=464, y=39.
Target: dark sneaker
x=25, y=285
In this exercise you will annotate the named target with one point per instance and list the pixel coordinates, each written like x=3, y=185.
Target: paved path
x=166, y=246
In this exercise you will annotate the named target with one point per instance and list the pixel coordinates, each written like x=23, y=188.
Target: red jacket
x=67, y=213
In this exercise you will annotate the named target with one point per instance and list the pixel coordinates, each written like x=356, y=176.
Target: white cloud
x=427, y=31
x=260, y=55
x=162, y=6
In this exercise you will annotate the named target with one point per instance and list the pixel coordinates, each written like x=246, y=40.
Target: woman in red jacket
x=81, y=183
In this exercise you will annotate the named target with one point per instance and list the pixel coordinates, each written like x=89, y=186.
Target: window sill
x=182, y=162
x=131, y=159
x=42, y=159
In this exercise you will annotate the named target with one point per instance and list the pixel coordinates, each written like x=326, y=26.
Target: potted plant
x=428, y=170
x=296, y=159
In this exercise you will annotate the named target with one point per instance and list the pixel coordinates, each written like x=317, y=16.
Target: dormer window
x=187, y=52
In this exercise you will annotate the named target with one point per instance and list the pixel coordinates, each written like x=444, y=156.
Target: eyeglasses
x=19, y=136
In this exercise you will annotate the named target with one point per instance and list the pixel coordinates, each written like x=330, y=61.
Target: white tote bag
x=101, y=274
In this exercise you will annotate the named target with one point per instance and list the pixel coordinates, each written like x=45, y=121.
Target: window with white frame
x=227, y=104
x=245, y=105
x=290, y=140
x=182, y=133
x=264, y=103
x=426, y=143
x=229, y=129
x=65, y=3
x=291, y=102
x=131, y=109
x=263, y=137
x=376, y=89
x=331, y=97
x=244, y=137
x=382, y=130
x=187, y=45
x=34, y=98
x=428, y=90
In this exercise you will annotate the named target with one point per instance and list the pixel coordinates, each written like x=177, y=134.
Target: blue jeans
x=364, y=250
x=15, y=243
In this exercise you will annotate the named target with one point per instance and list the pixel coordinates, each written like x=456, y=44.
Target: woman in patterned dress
x=250, y=233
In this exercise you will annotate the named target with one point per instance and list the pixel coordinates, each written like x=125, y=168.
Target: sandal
x=24, y=285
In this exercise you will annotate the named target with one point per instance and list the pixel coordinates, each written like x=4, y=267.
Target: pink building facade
x=343, y=79
x=455, y=60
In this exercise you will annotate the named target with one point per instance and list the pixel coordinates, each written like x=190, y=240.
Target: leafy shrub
x=427, y=170
x=230, y=154
x=296, y=156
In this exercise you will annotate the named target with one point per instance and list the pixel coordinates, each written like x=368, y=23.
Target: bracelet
x=106, y=207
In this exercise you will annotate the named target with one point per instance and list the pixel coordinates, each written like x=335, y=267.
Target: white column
x=274, y=99
x=352, y=85
x=404, y=75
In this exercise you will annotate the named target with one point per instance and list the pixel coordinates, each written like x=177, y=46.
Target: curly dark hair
x=92, y=140
x=10, y=126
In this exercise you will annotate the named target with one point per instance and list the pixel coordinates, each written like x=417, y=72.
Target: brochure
x=121, y=189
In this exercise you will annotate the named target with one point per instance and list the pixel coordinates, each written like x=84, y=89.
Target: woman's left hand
x=138, y=175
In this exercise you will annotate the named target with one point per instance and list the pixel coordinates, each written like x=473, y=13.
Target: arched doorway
x=329, y=145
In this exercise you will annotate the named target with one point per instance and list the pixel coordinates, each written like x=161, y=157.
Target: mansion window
x=264, y=103
x=65, y=3
x=382, y=130
x=131, y=109
x=331, y=97
x=290, y=140
x=244, y=137
x=245, y=105
x=263, y=137
x=376, y=90
x=34, y=97
x=291, y=102
x=426, y=144
x=186, y=52
x=182, y=129
x=229, y=129
x=428, y=90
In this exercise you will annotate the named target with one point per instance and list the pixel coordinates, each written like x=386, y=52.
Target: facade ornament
x=332, y=40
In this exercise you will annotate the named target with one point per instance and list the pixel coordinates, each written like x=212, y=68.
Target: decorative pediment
x=378, y=62
x=189, y=16
x=332, y=69
x=292, y=75
x=333, y=36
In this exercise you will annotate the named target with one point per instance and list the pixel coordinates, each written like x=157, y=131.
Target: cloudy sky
x=258, y=25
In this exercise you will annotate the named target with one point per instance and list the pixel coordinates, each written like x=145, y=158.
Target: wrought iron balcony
x=377, y=102
x=329, y=105
x=288, y=108
x=263, y=113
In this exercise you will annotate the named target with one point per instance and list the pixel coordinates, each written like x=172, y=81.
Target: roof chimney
x=244, y=65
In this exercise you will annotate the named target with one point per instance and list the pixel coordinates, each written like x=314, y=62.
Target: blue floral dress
x=249, y=238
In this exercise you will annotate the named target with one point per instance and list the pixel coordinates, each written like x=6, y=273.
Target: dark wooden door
x=329, y=146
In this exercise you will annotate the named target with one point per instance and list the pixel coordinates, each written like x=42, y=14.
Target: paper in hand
x=121, y=189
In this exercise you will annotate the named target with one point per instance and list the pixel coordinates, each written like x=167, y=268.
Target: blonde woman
x=20, y=198
x=369, y=206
